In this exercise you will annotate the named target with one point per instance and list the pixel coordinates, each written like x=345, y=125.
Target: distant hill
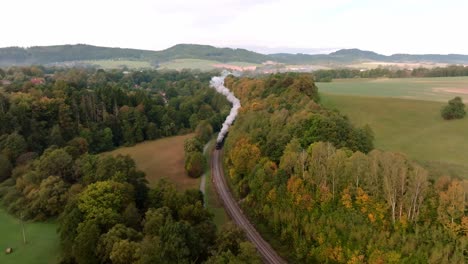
x=206, y=52
x=53, y=54
x=81, y=52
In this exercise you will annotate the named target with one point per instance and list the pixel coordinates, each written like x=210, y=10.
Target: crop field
x=42, y=245
x=413, y=127
x=162, y=158
x=117, y=64
x=430, y=89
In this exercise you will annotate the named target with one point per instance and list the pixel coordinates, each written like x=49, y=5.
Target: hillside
x=77, y=53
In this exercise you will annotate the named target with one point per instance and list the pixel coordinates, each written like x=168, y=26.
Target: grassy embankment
x=42, y=241
x=413, y=127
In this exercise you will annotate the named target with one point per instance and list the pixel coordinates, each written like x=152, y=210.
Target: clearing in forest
x=162, y=158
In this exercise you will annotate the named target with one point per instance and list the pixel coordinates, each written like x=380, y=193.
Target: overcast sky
x=398, y=26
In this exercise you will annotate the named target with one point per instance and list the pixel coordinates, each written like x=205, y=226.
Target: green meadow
x=203, y=65
x=413, y=127
x=116, y=64
x=430, y=89
x=42, y=241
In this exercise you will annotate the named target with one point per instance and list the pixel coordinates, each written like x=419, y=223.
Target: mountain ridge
x=11, y=56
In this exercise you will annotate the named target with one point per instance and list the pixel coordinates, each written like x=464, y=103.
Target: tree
x=56, y=162
x=192, y=145
x=124, y=252
x=204, y=131
x=454, y=110
x=195, y=164
x=229, y=239
x=52, y=195
x=13, y=146
x=55, y=137
x=116, y=234
x=105, y=201
x=244, y=156
x=453, y=205
x=86, y=241
x=5, y=168
x=152, y=131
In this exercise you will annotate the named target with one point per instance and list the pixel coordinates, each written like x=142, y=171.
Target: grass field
x=430, y=89
x=162, y=158
x=116, y=64
x=203, y=65
x=42, y=241
x=412, y=127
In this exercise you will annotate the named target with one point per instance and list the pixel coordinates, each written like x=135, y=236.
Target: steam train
x=220, y=144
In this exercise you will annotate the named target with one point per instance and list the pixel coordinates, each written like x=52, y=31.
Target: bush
x=454, y=110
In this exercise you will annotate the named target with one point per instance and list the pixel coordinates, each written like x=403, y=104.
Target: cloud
x=388, y=27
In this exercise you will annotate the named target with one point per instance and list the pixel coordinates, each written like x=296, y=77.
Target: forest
x=449, y=71
x=55, y=122
x=315, y=183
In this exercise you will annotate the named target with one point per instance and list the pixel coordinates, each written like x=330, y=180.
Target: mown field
x=162, y=158
x=430, y=89
x=42, y=245
x=413, y=127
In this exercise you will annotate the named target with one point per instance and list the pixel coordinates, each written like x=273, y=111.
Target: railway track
x=266, y=251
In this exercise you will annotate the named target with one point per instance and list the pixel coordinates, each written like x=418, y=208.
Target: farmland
x=430, y=89
x=203, y=65
x=413, y=127
x=115, y=64
x=42, y=241
x=162, y=158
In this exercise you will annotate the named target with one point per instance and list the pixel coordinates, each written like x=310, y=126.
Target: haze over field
x=265, y=26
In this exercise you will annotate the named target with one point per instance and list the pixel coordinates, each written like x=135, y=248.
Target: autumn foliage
x=332, y=198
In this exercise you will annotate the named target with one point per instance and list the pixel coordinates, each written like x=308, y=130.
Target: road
x=232, y=208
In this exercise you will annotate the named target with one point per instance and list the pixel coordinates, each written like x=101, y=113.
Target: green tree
x=152, y=131
x=55, y=137
x=193, y=145
x=52, y=196
x=85, y=244
x=124, y=252
x=13, y=146
x=195, y=164
x=105, y=201
x=454, y=110
x=5, y=167
x=204, y=131
x=116, y=234
x=56, y=162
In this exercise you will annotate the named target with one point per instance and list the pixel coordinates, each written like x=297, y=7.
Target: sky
x=313, y=26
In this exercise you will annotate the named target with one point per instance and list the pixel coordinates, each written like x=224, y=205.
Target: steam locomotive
x=220, y=144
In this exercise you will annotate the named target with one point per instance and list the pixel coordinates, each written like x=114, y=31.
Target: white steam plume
x=218, y=84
